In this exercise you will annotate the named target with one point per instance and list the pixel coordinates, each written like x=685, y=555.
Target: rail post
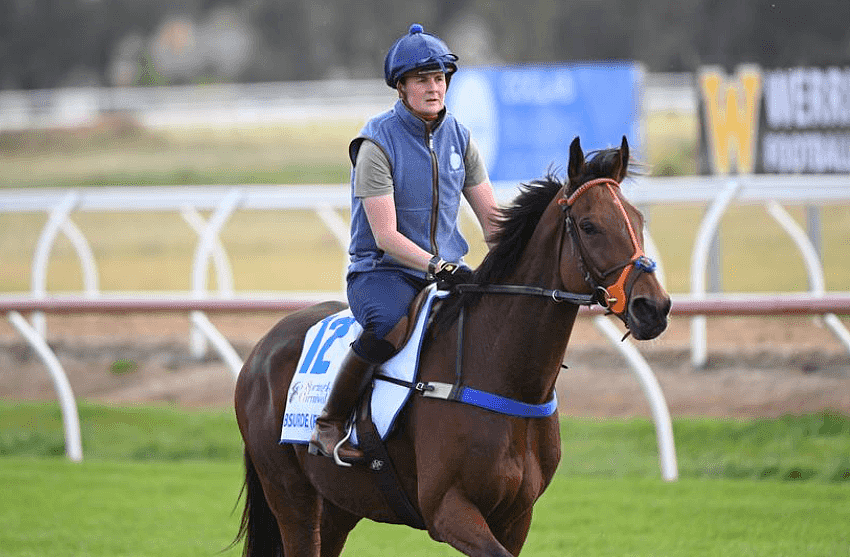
x=699, y=261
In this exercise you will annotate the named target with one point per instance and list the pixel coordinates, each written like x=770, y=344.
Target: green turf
x=161, y=480
x=813, y=447
x=117, y=508
x=114, y=508
x=126, y=433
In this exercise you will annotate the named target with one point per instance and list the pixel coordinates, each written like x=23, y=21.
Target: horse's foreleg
x=458, y=522
x=513, y=536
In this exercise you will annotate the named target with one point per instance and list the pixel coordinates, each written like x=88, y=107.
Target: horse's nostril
x=648, y=317
x=645, y=309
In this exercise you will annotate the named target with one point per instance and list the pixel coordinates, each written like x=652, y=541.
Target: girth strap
x=489, y=401
x=386, y=477
x=475, y=397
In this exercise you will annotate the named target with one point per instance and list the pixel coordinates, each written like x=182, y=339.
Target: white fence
x=226, y=105
x=719, y=193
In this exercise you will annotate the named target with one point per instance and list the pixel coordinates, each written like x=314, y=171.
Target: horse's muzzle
x=647, y=317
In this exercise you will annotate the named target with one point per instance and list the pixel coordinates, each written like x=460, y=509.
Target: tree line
x=53, y=43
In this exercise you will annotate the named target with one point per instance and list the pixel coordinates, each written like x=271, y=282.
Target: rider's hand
x=450, y=274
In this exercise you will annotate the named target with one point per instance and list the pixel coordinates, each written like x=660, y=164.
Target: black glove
x=451, y=274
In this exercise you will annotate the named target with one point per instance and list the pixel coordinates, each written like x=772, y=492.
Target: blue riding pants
x=379, y=299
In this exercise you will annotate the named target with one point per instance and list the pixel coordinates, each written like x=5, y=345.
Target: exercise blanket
x=325, y=346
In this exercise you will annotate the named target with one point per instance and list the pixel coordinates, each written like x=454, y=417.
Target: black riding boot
x=354, y=376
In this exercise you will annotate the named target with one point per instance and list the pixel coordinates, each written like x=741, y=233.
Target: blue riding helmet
x=417, y=49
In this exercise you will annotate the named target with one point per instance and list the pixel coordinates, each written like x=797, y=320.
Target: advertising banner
x=781, y=121
x=524, y=117
x=805, y=126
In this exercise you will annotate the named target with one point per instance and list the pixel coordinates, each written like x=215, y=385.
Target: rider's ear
x=624, y=160
x=576, y=164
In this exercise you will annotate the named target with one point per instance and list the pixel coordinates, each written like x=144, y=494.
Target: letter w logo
x=731, y=117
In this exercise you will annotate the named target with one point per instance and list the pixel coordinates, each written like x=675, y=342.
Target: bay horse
x=472, y=474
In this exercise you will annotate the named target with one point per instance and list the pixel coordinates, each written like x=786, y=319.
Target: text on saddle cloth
x=325, y=346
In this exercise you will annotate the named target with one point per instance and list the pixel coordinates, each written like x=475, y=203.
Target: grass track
x=163, y=481
x=112, y=508
x=117, y=508
x=814, y=447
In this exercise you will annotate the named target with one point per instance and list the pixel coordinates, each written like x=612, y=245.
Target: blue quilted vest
x=426, y=209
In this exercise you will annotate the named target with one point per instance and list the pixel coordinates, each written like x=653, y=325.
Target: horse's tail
x=258, y=527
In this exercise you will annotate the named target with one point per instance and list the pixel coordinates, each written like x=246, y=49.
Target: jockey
x=409, y=167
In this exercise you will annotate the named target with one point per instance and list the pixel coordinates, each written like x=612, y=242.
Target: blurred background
x=118, y=43
x=253, y=92
x=94, y=76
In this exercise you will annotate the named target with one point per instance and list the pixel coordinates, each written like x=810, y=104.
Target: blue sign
x=523, y=118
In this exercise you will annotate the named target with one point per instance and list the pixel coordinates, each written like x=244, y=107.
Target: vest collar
x=414, y=123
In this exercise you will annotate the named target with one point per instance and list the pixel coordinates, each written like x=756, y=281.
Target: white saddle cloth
x=325, y=346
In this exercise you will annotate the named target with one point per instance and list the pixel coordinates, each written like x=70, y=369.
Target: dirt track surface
x=758, y=367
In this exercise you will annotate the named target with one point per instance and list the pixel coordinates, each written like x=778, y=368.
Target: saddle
x=401, y=332
x=377, y=458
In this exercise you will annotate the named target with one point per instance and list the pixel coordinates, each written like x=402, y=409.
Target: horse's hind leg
x=310, y=526
x=336, y=525
x=297, y=507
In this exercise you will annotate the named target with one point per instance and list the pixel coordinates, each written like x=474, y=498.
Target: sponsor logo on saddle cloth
x=325, y=346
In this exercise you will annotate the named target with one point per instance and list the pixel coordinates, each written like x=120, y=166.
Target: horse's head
x=605, y=238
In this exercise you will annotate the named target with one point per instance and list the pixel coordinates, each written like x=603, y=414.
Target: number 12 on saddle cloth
x=325, y=346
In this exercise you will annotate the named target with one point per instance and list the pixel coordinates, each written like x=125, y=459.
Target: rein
x=555, y=295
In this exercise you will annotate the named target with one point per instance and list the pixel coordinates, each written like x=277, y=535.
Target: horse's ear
x=576, y=164
x=624, y=160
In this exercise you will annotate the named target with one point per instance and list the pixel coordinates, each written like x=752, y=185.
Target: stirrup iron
x=338, y=460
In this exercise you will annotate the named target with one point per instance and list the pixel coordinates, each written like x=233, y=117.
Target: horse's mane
x=516, y=224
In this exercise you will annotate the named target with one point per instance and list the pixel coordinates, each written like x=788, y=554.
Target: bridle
x=616, y=296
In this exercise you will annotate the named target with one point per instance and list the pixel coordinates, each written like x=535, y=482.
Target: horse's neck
x=521, y=339
x=515, y=345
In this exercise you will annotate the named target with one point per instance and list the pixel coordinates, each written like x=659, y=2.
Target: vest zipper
x=435, y=191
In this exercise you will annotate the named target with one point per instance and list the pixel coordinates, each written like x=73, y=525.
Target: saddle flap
x=400, y=334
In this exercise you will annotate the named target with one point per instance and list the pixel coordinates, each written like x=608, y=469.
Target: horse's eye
x=588, y=227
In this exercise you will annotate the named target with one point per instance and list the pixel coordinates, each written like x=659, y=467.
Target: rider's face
x=424, y=93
